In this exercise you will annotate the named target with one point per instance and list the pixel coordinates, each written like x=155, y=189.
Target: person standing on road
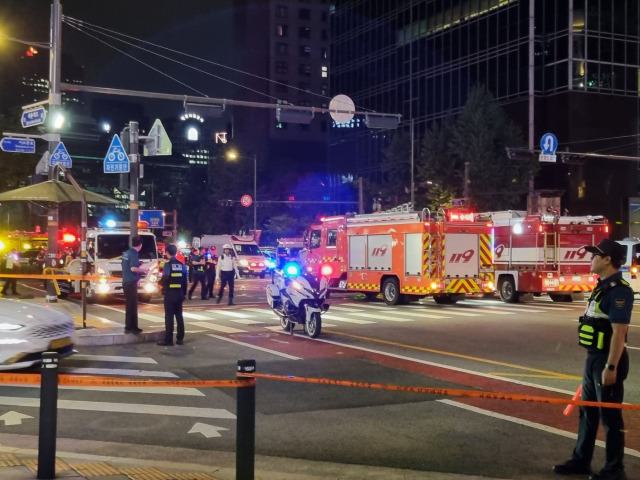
x=174, y=288
x=11, y=265
x=603, y=332
x=210, y=270
x=227, y=272
x=198, y=264
x=131, y=271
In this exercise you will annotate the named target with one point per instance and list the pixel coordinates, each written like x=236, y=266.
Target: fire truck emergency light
x=461, y=216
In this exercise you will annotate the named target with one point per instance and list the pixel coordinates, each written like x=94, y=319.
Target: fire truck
x=404, y=255
x=544, y=253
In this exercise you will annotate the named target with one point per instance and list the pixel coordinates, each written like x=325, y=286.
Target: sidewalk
x=77, y=460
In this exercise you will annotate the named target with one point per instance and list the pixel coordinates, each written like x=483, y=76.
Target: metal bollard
x=48, y=416
x=246, y=424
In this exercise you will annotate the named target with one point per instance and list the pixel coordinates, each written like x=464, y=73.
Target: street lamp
x=232, y=155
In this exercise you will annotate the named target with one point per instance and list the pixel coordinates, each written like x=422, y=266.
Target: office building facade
x=570, y=67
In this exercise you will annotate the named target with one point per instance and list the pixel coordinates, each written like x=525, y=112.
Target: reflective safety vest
x=594, y=327
x=176, y=273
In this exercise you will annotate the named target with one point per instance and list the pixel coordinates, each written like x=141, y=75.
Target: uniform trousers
x=611, y=418
x=173, y=309
x=227, y=277
x=130, y=291
x=198, y=277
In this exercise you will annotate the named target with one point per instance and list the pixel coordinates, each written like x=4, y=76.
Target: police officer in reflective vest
x=227, y=271
x=174, y=287
x=198, y=263
x=602, y=331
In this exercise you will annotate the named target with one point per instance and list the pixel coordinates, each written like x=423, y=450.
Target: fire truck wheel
x=391, y=291
x=507, y=289
x=313, y=327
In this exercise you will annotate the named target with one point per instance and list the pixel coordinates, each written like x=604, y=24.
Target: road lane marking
x=346, y=320
x=152, y=318
x=196, y=316
x=381, y=317
x=111, y=358
x=232, y=313
x=218, y=328
x=255, y=347
x=137, y=408
x=246, y=321
x=556, y=375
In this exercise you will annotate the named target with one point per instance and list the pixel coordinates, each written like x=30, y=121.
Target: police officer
x=227, y=271
x=603, y=331
x=174, y=287
x=131, y=271
x=211, y=260
x=198, y=265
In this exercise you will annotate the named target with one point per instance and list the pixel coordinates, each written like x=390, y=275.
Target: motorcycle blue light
x=291, y=269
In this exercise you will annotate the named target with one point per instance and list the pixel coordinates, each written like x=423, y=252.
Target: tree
x=478, y=137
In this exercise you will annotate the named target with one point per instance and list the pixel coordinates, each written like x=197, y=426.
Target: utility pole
x=134, y=176
x=55, y=102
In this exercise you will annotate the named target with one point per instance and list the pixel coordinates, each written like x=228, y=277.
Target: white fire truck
x=543, y=253
x=404, y=255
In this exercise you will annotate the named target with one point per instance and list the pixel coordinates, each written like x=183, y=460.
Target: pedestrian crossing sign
x=116, y=160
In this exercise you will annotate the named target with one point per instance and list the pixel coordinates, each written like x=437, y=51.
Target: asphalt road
x=479, y=345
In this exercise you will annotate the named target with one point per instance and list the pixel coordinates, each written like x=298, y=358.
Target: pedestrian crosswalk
x=247, y=319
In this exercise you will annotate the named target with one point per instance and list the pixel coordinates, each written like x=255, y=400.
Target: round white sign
x=345, y=106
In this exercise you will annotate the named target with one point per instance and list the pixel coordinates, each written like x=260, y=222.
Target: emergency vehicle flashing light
x=68, y=238
x=291, y=269
x=457, y=216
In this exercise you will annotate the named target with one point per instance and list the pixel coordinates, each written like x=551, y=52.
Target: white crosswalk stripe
x=346, y=320
x=217, y=328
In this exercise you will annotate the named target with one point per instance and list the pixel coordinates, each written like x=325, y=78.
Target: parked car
x=28, y=260
x=27, y=330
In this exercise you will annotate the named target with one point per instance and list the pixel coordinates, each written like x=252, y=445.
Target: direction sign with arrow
x=35, y=116
x=18, y=145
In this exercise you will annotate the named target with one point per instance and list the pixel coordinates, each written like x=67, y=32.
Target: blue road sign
x=548, y=144
x=116, y=160
x=61, y=156
x=18, y=145
x=33, y=117
x=154, y=218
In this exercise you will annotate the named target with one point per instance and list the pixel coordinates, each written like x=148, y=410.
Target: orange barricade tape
x=55, y=277
x=94, y=381
x=443, y=391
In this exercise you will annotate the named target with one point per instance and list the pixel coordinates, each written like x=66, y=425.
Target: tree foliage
x=478, y=137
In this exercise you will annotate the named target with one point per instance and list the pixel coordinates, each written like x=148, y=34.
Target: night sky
x=198, y=27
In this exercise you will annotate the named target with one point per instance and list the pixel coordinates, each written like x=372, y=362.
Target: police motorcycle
x=299, y=298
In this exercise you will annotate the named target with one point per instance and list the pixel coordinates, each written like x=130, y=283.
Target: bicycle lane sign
x=116, y=160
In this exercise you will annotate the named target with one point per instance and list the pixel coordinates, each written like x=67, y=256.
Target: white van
x=630, y=267
x=251, y=260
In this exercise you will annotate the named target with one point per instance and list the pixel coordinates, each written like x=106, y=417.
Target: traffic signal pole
x=134, y=175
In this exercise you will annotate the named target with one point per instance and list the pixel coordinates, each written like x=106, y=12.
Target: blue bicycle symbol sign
x=116, y=160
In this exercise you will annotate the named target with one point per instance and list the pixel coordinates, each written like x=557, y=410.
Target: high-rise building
x=284, y=45
x=569, y=67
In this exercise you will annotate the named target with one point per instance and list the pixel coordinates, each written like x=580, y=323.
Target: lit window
x=325, y=72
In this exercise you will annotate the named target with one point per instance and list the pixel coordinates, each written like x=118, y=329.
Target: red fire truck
x=404, y=255
x=544, y=253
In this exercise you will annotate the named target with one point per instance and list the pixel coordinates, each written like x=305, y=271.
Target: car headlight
x=10, y=327
x=100, y=271
x=243, y=263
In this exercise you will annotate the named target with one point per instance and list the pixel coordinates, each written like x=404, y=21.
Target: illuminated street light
x=233, y=155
